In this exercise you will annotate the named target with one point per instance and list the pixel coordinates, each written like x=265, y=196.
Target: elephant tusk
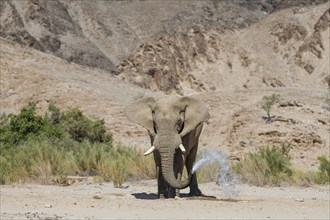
x=182, y=148
x=149, y=151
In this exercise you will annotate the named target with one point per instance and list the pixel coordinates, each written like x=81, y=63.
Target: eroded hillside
x=289, y=48
x=102, y=33
x=230, y=69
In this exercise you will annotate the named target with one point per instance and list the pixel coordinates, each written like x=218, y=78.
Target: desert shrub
x=54, y=125
x=268, y=166
x=272, y=166
x=118, y=170
x=41, y=148
x=129, y=162
x=277, y=159
x=36, y=160
x=46, y=162
x=47, y=149
x=18, y=128
x=209, y=173
x=319, y=177
x=81, y=127
x=307, y=178
x=324, y=165
x=141, y=167
x=268, y=102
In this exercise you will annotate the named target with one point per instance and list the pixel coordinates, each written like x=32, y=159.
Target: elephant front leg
x=164, y=190
x=161, y=184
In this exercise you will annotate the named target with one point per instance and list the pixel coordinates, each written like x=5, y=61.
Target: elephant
x=174, y=125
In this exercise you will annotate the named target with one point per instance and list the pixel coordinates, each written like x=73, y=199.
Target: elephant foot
x=168, y=193
x=171, y=192
x=195, y=192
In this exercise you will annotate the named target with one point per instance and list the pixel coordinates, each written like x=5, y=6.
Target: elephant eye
x=179, y=125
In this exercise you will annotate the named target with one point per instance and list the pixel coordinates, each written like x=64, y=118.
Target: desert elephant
x=174, y=125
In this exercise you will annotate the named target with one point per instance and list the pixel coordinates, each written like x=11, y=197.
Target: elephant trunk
x=167, y=162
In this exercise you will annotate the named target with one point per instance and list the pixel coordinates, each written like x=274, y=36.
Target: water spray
x=225, y=178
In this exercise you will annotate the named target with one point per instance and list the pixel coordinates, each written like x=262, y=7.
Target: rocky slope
x=285, y=52
x=289, y=48
x=102, y=33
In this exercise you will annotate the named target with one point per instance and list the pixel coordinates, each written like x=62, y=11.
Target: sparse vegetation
x=209, y=173
x=324, y=165
x=268, y=102
x=272, y=166
x=267, y=167
x=47, y=149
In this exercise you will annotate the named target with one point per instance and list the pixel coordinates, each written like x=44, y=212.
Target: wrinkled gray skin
x=171, y=121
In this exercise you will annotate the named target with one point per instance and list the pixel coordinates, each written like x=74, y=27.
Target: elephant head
x=168, y=120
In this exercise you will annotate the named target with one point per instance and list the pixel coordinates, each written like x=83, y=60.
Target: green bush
x=272, y=166
x=48, y=149
x=82, y=128
x=277, y=160
x=268, y=102
x=324, y=165
x=118, y=170
x=269, y=166
x=18, y=128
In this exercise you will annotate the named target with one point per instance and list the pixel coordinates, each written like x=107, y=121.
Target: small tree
x=268, y=102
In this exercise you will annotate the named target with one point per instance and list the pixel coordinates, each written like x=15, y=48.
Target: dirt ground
x=137, y=200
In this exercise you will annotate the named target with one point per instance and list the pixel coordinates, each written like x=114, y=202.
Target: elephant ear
x=140, y=112
x=196, y=112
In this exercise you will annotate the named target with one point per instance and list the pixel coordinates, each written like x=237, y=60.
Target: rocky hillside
x=289, y=48
x=103, y=33
x=236, y=125
x=229, y=55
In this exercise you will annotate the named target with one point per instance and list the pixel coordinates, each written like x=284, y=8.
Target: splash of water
x=225, y=178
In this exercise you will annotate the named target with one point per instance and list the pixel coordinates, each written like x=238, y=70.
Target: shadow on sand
x=145, y=196
x=151, y=196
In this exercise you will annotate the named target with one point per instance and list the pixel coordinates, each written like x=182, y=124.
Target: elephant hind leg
x=194, y=190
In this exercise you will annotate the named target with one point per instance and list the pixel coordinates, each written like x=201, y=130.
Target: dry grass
x=47, y=149
x=272, y=166
x=45, y=163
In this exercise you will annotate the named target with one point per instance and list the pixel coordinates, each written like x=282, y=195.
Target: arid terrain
x=99, y=56
x=137, y=200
